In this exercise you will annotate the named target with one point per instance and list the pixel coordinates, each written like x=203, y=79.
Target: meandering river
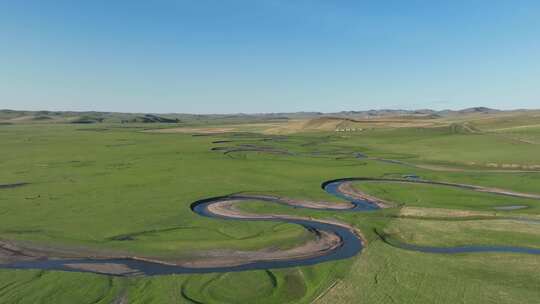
x=342, y=241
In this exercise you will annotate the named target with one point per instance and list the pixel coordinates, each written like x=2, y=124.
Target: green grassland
x=91, y=185
x=442, y=146
x=437, y=196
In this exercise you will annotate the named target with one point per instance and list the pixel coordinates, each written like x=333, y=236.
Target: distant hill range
x=14, y=116
x=422, y=112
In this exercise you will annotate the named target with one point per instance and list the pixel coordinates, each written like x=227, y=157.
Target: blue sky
x=229, y=56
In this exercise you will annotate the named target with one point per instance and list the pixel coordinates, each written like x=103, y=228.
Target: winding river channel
x=332, y=240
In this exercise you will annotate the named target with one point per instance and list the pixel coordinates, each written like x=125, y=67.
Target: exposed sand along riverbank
x=332, y=240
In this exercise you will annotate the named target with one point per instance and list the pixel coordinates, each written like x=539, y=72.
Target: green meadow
x=116, y=188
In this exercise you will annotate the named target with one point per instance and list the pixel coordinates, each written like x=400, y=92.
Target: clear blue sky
x=225, y=56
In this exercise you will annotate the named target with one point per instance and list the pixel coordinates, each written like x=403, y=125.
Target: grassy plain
x=91, y=186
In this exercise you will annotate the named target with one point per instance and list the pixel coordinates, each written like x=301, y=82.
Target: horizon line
x=281, y=112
